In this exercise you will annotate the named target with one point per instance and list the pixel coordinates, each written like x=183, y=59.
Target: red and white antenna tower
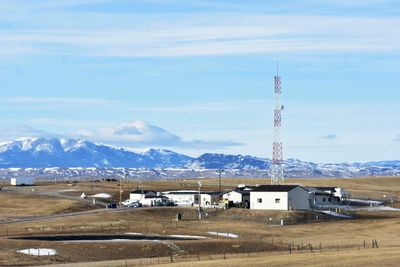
x=276, y=170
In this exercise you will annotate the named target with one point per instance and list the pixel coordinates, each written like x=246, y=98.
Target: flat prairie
x=257, y=238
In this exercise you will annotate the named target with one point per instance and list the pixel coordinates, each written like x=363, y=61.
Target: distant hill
x=75, y=157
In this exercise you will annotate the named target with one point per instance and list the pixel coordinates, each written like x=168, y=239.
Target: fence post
x=364, y=244
x=290, y=249
x=172, y=258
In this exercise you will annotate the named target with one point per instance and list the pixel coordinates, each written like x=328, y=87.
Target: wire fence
x=179, y=258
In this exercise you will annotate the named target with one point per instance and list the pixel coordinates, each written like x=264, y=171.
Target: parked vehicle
x=135, y=205
x=111, y=206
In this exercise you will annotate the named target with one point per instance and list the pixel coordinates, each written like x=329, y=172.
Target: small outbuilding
x=210, y=198
x=239, y=197
x=327, y=196
x=279, y=197
x=22, y=181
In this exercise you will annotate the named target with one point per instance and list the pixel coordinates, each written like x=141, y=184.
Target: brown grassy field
x=257, y=232
x=17, y=205
x=350, y=258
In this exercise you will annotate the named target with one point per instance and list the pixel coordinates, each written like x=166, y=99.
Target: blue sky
x=197, y=76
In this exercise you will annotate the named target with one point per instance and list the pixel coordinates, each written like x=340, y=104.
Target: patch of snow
x=335, y=214
x=101, y=195
x=188, y=236
x=68, y=190
x=38, y=251
x=224, y=234
x=14, y=169
x=373, y=202
x=380, y=208
x=133, y=233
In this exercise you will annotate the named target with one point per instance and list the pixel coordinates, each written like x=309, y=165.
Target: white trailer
x=22, y=181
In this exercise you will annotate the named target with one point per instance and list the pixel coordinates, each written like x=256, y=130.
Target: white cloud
x=21, y=131
x=239, y=35
x=142, y=134
x=329, y=136
x=58, y=100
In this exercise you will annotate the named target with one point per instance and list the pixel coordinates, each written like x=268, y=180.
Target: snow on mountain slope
x=55, y=152
x=69, y=157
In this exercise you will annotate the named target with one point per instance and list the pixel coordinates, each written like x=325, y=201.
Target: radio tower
x=277, y=152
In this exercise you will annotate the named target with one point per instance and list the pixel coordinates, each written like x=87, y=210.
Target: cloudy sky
x=197, y=75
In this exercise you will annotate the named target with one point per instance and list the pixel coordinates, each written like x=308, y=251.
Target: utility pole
x=220, y=171
x=120, y=191
x=200, y=211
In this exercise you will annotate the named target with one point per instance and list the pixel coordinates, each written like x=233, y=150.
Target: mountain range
x=74, y=157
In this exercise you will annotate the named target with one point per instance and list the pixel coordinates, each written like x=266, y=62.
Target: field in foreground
x=59, y=210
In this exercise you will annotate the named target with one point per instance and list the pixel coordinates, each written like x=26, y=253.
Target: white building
x=191, y=197
x=239, y=196
x=327, y=196
x=279, y=197
x=183, y=197
x=23, y=181
x=210, y=198
x=156, y=201
x=140, y=194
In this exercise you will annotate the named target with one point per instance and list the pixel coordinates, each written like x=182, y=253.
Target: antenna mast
x=276, y=169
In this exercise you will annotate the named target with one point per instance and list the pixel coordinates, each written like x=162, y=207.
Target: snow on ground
x=38, y=251
x=332, y=213
x=380, y=208
x=68, y=190
x=189, y=236
x=133, y=233
x=224, y=234
x=101, y=195
x=368, y=202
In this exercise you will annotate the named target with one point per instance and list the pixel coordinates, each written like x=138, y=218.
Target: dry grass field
x=17, y=205
x=59, y=210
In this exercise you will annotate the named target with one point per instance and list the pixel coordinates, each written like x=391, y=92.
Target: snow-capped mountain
x=222, y=161
x=67, y=158
x=58, y=152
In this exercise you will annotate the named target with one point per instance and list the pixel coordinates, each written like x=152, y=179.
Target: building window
x=259, y=200
x=329, y=199
x=323, y=199
x=277, y=200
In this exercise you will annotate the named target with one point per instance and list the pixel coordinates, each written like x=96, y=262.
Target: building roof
x=275, y=188
x=240, y=191
x=326, y=188
x=140, y=191
x=322, y=194
x=190, y=192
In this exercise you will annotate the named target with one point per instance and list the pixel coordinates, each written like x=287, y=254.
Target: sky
x=196, y=76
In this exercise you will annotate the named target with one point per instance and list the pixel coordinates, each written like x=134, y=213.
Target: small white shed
x=23, y=181
x=279, y=197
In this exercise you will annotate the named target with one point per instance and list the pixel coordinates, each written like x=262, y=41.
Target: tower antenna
x=276, y=169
